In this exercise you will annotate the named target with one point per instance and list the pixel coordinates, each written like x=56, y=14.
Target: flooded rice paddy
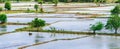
x=92, y=42
x=16, y=40
x=68, y=22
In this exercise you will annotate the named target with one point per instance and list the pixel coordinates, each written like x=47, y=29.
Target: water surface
x=82, y=25
x=9, y=28
x=93, y=42
x=18, y=39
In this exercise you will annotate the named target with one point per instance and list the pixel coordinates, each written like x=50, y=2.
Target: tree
x=36, y=7
x=67, y=1
x=1, y=8
x=8, y=5
x=3, y=18
x=18, y=1
x=37, y=23
x=97, y=26
x=97, y=2
x=55, y=2
x=40, y=2
x=116, y=10
x=41, y=10
x=1, y=1
x=113, y=23
x=118, y=1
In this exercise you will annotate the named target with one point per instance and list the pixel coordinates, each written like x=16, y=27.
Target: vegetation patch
x=30, y=29
x=3, y=18
x=1, y=8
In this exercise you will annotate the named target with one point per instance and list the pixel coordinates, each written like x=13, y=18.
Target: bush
x=40, y=2
x=41, y=10
x=113, y=23
x=1, y=8
x=118, y=1
x=37, y=23
x=116, y=10
x=3, y=18
x=36, y=7
x=29, y=11
x=55, y=2
x=0, y=0
x=97, y=26
x=8, y=5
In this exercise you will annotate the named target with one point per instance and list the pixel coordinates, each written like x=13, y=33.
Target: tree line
x=113, y=23
x=102, y=1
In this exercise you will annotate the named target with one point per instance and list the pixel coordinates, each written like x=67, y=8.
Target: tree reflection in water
x=3, y=28
x=53, y=35
x=115, y=44
x=38, y=38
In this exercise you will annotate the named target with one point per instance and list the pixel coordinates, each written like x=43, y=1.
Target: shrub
x=37, y=23
x=8, y=6
x=0, y=0
x=97, y=26
x=1, y=8
x=41, y=10
x=55, y=2
x=29, y=11
x=3, y=18
x=116, y=10
x=113, y=23
x=118, y=1
x=40, y=2
x=36, y=7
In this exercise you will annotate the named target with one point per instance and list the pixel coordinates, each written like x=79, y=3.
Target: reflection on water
x=92, y=42
x=3, y=28
x=48, y=20
x=22, y=38
x=15, y=40
x=9, y=28
x=38, y=38
x=81, y=25
x=52, y=35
